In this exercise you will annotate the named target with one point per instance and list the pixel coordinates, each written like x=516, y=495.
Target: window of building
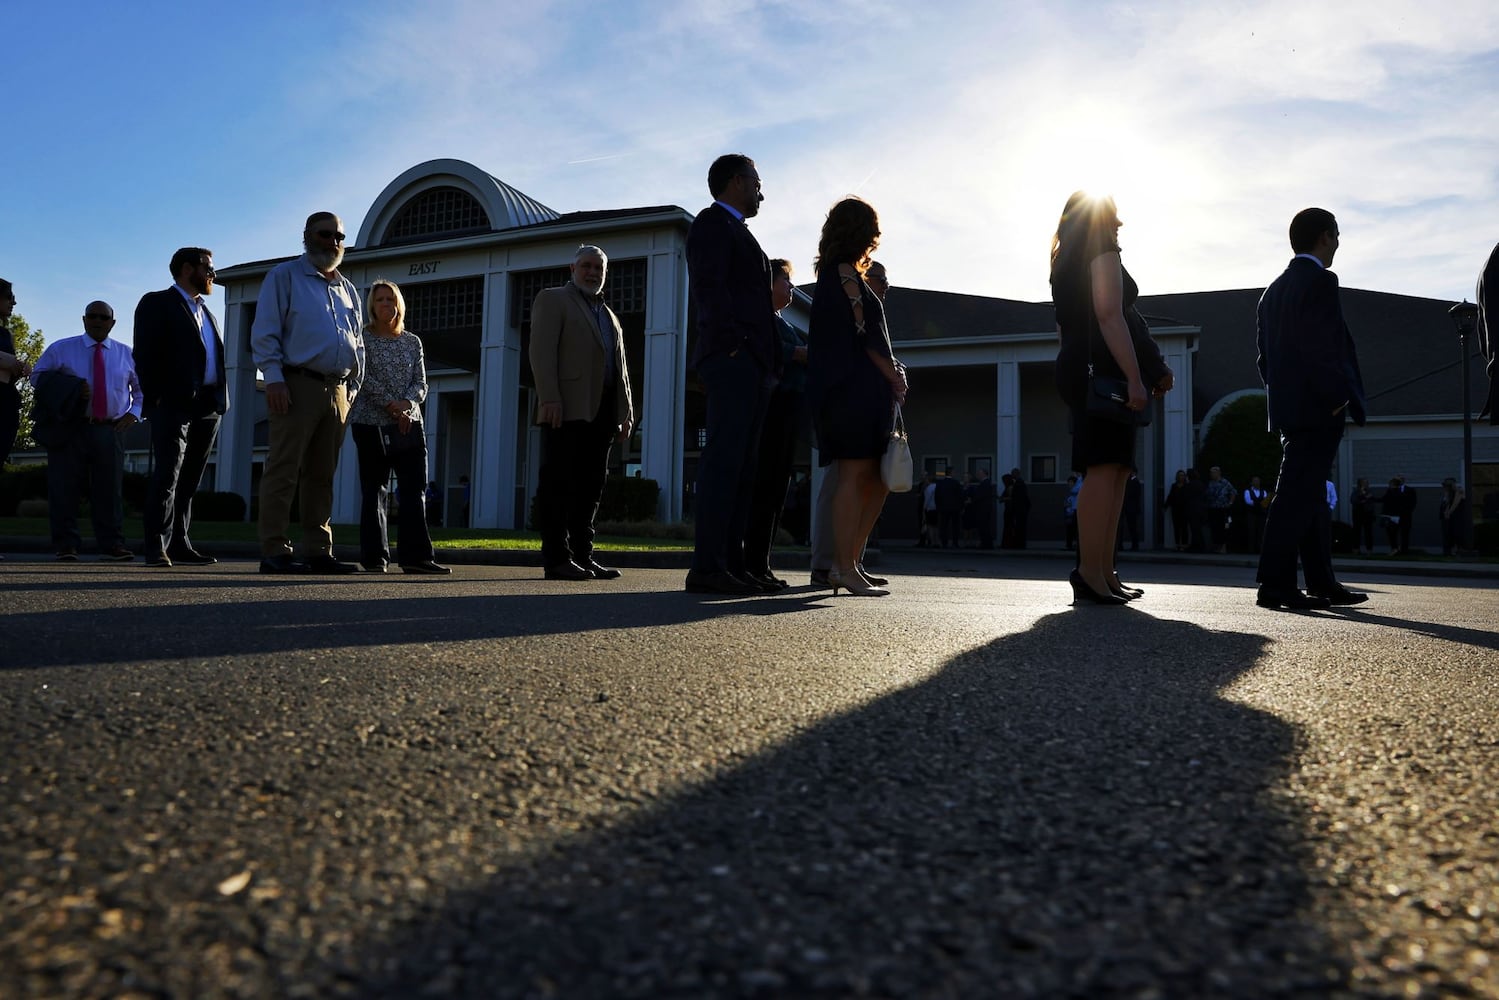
x=1043, y=468
x=977, y=462
x=449, y=318
x=934, y=465
x=439, y=211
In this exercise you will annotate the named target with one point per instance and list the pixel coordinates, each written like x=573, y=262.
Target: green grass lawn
x=348, y=534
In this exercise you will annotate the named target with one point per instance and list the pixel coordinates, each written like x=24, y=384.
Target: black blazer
x=169, y=355
x=1307, y=359
x=1488, y=331
x=730, y=279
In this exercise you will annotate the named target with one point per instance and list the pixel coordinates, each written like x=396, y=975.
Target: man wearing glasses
x=179, y=356
x=86, y=443
x=306, y=340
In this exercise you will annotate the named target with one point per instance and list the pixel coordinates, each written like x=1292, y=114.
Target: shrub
x=21, y=482
x=625, y=499
x=217, y=506
x=31, y=508
x=1486, y=538
x=1239, y=444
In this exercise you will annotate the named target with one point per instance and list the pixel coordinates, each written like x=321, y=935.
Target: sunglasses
x=99, y=316
x=329, y=234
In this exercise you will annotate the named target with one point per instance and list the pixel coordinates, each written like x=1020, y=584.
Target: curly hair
x=850, y=235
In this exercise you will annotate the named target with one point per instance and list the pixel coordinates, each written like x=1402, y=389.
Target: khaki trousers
x=303, y=457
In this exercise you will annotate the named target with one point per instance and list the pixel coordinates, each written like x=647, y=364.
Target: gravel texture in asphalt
x=220, y=784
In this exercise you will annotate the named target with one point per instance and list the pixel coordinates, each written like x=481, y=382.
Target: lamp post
x=1465, y=318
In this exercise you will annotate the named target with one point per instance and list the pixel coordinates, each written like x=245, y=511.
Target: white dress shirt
x=75, y=355
x=208, y=330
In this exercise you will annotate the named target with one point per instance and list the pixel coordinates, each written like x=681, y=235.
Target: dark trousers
x=737, y=399
x=1363, y=527
x=574, y=464
x=180, y=443
x=783, y=417
x=949, y=526
x=95, y=457
x=1299, y=521
x=413, y=544
x=10, y=419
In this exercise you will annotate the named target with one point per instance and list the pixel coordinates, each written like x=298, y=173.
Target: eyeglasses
x=208, y=270
x=99, y=316
x=328, y=234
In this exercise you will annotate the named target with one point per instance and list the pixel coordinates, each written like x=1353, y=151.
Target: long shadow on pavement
x=340, y=619
x=1075, y=810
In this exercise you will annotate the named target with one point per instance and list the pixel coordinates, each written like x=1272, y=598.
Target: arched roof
x=506, y=207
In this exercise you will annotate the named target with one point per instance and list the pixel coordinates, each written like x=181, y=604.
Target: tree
x=29, y=347
x=1239, y=444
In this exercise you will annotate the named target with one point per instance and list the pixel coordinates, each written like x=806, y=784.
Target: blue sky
x=135, y=128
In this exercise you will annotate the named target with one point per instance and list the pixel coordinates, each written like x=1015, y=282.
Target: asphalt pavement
x=214, y=783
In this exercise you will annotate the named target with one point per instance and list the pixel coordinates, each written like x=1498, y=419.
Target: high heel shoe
x=852, y=582
x=1082, y=592
x=1124, y=590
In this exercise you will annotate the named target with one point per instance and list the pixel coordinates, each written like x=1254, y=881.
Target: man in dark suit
x=1312, y=382
x=1488, y=330
x=179, y=357
x=737, y=356
x=583, y=406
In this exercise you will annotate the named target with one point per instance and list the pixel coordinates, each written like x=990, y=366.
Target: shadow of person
x=1058, y=812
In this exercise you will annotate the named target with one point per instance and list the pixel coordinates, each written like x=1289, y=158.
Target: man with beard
x=583, y=407
x=307, y=341
x=179, y=357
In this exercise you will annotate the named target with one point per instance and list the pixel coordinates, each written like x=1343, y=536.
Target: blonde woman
x=387, y=428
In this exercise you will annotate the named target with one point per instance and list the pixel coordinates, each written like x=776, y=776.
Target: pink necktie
x=99, y=392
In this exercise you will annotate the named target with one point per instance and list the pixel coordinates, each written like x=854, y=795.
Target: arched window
x=439, y=211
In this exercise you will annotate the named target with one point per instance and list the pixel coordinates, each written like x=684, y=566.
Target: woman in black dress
x=1099, y=325
x=853, y=384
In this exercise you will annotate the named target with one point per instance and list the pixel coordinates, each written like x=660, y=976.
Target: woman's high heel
x=1119, y=588
x=852, y=582
x=1082, y=592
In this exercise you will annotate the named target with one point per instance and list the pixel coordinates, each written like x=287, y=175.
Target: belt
x=318, y=376
x=109, y=423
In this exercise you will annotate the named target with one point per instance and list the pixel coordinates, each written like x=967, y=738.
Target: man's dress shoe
x=428, y=567
x=284, y=563
x=331, y=566
x=1340, y=597
x=1295, y=600
x=599, y=572
x=568, y=571
x=190, y=557
x=720, y=582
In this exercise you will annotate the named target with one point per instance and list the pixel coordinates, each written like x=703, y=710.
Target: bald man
x=102, y=372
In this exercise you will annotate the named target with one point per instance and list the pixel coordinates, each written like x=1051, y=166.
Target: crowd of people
x=331, y=360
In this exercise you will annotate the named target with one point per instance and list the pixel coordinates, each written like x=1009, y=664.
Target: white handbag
x=896, y=465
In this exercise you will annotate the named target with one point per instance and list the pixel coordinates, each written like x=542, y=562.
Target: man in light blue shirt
x=307, y=342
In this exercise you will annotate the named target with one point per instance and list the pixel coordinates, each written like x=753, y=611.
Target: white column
x=1006, y=419
x=346, y=482
x=1176, y=436
x=236, y=444
x=493, y=502
x=662, y=410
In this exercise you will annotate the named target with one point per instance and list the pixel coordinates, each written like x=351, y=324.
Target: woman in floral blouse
x=388, y=436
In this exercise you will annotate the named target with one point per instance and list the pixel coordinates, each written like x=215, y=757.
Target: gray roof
x=1407, y=348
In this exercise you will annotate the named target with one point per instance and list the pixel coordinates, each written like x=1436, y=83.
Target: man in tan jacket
x=583, y=407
